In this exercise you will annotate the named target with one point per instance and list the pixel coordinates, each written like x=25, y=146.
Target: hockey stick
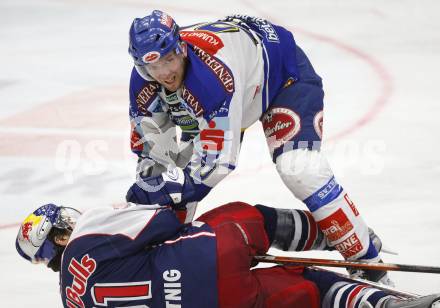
x=350, y=264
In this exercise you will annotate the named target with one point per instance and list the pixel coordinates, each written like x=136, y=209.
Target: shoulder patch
x=205, y=40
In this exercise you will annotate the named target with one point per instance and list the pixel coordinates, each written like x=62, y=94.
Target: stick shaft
x=351, y=264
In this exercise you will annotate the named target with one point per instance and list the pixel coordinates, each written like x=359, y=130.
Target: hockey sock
x=345, y=294
x=309, y=177
x=338, y=292
x=292, y=230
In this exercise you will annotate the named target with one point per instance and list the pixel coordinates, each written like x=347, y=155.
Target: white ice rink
x=64, y=72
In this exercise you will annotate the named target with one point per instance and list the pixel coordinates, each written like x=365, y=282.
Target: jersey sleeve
x=153, y=135
x=128, y=230
x=217, y=146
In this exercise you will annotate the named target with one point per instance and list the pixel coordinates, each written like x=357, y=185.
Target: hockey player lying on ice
x=214, y=80
x=142, y=256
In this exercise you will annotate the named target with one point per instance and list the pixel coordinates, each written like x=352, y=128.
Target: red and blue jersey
x=138, y=257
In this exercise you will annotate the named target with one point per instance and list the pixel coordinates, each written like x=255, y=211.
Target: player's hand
x=165, y=189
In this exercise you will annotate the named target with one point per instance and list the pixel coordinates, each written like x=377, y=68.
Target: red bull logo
x=25, y=229
x=28, y=224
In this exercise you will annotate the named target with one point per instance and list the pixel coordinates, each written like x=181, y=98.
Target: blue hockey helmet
x=32, y=242
x=152, y=37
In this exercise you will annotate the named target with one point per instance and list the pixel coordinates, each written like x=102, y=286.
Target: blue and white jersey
x=138, y=257
x=235, y=69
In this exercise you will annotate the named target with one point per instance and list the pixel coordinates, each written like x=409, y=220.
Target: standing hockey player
x=142, y=256
x=214, y=80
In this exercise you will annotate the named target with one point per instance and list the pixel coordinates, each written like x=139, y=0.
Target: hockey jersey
x=138, y=257
x=235, y=68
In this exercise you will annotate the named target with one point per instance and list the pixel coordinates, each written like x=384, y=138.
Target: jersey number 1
x=102, y=293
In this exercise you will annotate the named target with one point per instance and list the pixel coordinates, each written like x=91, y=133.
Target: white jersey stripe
x=298, y=231
x=195, y=235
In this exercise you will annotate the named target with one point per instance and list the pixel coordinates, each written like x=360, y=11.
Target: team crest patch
x=318, y=123
x=280, y=125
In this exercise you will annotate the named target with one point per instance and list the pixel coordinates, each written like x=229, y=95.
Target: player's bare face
x=169, y=70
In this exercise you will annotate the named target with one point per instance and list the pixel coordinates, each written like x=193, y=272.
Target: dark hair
x=55, y=263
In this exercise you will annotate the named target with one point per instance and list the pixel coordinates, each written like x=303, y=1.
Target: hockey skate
x=373, y=275
x=428, y=301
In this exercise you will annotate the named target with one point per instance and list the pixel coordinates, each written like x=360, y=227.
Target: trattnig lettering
x=172, y=288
